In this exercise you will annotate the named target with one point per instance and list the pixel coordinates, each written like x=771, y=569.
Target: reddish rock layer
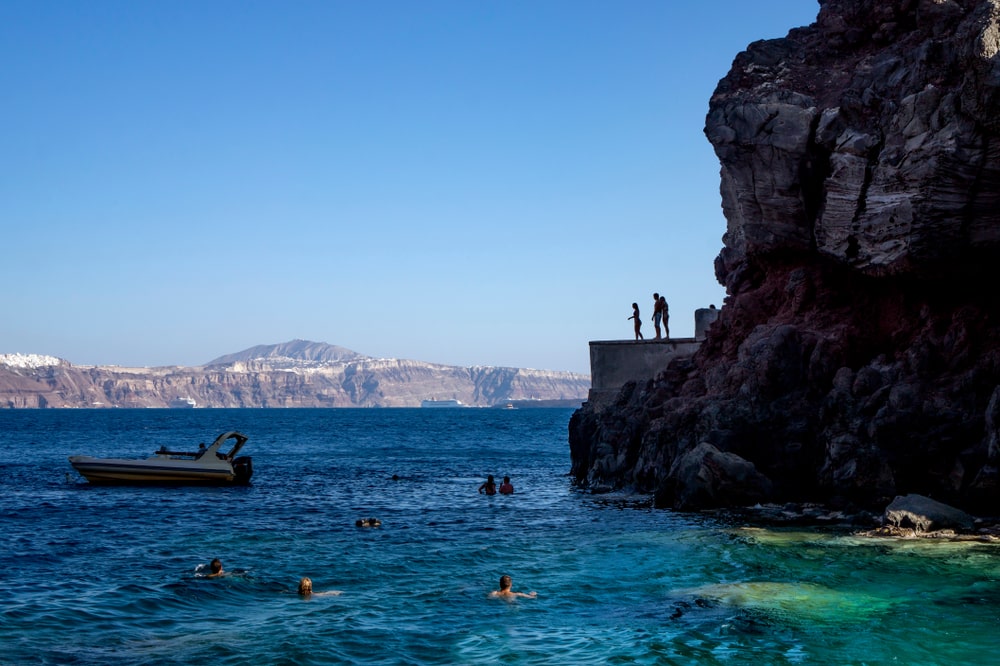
x=857, y=356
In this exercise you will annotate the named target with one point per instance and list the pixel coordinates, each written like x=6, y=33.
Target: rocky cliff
x=857, y=356
x=293, y=374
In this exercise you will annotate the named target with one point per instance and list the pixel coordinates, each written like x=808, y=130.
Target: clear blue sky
x=470, y=182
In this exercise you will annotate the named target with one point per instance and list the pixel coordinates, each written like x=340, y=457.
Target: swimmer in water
x=506, y=488
x=306, y=589
x=490, y=487
x=505, y=591
x=216, y=568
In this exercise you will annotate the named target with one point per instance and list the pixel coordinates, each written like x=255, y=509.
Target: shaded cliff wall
x=857, y=355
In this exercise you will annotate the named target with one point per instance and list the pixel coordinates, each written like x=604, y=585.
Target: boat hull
x=96, y=470
x=207, y=465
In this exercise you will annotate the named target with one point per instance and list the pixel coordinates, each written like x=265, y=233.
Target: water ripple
x=97, y=575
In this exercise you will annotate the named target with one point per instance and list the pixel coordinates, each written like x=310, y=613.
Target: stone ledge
x=614, y=363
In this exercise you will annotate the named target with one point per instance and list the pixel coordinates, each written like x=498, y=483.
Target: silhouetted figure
x=638, y=321
x=657, y=313
x=665, y=312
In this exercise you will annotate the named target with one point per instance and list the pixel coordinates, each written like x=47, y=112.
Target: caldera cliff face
x=857, y=355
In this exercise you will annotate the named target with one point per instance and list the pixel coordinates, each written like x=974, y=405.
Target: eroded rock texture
x=857, y=356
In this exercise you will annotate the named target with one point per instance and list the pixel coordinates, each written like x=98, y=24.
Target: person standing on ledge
x=657, y=313
x=638, y=321
x=665, y=313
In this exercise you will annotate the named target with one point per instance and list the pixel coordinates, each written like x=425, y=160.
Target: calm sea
x=110, y=575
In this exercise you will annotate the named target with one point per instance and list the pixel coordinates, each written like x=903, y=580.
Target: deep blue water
x=109, y=575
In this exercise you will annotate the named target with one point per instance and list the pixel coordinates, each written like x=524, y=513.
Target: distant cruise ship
x=183, y=403
x=441, y=403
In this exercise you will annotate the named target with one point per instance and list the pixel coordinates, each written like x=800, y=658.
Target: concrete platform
x=613, y=363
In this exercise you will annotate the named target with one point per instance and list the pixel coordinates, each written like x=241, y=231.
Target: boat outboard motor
x=243, y=469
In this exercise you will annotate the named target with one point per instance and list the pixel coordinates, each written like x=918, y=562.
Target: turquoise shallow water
x=106, y=575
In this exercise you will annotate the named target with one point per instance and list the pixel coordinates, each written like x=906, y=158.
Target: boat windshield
x=215, y=448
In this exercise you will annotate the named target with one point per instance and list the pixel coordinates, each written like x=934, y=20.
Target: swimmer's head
x=305, y=586
x=505, y=582
x=216, y=566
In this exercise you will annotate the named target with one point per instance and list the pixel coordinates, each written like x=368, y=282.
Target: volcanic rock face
x=857, y=356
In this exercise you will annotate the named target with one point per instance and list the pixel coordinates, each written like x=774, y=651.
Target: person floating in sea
x=216, y=568
x=489, y=487
x=505, y=591
x=306, y=589
x=506, y=488
x=657, y=313
x=638, y=321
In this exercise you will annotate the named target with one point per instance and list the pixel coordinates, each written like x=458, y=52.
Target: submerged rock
x=857, y=354
x=799, y=600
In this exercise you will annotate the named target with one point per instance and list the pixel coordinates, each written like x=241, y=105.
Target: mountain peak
x=297, y=350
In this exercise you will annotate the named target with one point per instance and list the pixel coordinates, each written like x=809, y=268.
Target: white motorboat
x=207, y=465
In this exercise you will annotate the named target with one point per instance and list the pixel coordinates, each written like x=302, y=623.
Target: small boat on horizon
x=182, y=403
x=207, y=465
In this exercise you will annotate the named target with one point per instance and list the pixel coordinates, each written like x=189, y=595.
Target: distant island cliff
x=299, y=373
x=857, y=355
